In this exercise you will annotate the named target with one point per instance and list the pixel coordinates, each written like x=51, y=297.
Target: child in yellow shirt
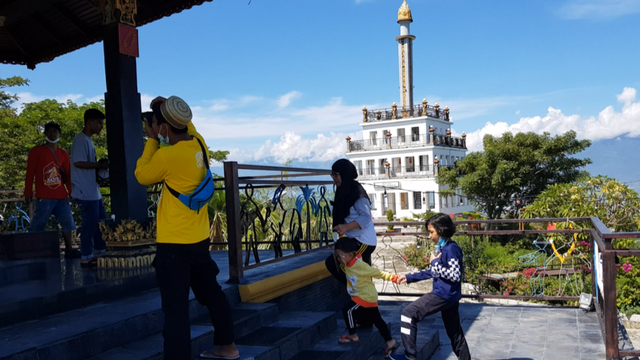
x=364, y=296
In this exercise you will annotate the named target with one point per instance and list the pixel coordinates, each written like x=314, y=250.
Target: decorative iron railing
x=402, y=113
x=406, y=142
x=274, y=211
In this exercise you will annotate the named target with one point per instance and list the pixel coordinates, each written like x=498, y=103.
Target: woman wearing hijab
x=351, y=215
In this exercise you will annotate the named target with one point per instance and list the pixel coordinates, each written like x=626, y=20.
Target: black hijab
x=348, y=192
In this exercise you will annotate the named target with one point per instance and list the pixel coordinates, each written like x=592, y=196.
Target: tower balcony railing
x=406, y=142
x=396, y=172
x=399, y=112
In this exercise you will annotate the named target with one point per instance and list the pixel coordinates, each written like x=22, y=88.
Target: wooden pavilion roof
x=36, y=31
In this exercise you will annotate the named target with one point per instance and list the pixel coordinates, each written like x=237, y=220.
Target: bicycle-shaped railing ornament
x=18, y=218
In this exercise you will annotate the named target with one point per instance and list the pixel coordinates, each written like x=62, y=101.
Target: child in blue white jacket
x=446, y=271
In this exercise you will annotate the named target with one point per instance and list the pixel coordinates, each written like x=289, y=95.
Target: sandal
x=345, y=339
x=93, y=262
x=211, y=355
x=391, y=350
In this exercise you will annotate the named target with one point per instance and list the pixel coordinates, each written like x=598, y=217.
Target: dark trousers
x=427, y=305
x=91, y=211
x=179, y=267
x=353, y=313
x=333, y=265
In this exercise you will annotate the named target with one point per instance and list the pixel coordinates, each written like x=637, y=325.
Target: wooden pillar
x=234, y=230
x=610, y=308
x=124, y=129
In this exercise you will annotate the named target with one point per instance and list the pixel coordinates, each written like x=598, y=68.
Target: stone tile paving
x=497, y=332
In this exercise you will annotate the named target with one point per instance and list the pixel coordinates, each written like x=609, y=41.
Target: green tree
x=514, y=169
x=617, y=205
x=8, y=99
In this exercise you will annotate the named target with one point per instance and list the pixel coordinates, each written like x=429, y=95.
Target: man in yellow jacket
x=183, y=259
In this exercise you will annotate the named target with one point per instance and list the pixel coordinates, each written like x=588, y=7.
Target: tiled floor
x=525, y=333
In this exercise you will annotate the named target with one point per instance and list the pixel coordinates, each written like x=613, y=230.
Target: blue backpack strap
x=206, y=163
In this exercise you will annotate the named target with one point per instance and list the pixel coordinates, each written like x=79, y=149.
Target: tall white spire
x=405, y=57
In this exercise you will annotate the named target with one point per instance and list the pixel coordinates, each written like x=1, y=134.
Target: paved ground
x=525, y=333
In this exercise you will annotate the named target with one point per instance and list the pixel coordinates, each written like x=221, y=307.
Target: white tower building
x=404, y=147
x=405, y=56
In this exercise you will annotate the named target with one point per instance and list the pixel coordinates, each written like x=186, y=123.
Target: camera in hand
x=147, y=116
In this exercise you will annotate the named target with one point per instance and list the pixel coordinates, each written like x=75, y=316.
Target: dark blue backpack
x=203, y=193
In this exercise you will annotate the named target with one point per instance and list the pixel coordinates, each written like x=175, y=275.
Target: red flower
x=551, y=226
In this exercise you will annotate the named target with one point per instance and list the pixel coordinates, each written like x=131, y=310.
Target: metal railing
x=274, y=212
x=396, y=172
x=406, y=142
x=595, y=248
x=401, y=113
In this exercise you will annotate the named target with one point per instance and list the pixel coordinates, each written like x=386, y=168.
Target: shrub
x=416, y=256
x=390, y=218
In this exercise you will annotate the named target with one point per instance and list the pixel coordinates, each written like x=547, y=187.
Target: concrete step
x=24, y=270
x=247, y=318
x=54, y=292
x=294, y=332
x=92, y=330
x=329, y=348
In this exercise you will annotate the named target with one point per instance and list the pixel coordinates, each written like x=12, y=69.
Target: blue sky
x=272, y=80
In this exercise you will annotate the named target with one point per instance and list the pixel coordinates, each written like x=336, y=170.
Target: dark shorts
x=59, y=208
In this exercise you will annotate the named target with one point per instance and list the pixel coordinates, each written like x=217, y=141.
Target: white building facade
x=405, y=146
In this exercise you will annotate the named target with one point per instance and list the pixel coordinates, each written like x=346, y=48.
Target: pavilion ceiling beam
x=40, y=19
x=72, y=18
x=16, y=42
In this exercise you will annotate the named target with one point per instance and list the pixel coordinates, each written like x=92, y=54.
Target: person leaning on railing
x=182, y=256
x=351, y=215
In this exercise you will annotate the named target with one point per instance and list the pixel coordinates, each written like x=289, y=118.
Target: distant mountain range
x=617, y=158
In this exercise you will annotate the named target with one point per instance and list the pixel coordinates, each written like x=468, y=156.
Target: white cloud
x=27, y=97
x=94, y=98
x=517, y=112
x=608, y=124
x=598, y=9
x=260, y=118
x=285, y=99
x=293, y=146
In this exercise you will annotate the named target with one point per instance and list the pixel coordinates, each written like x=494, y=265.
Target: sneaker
x=391, y=351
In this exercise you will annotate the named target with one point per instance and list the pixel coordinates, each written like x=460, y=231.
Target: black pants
x=427, y=305
x=333, y=265
x=353, y=313
x=179, y=267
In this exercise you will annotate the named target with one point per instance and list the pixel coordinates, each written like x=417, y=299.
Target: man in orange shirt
x=50, y=166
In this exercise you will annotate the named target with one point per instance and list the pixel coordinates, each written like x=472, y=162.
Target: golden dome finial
x=404, y=14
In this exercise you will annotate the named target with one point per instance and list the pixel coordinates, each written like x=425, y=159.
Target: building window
x=410, y=163
x=415, y=134
x=371, y=167
x=404, y=201
x=358, y=165
x=417, y=200
x=384, y=136
x=401, y=138
x=372, y=198
x=373, y=138
x=424, y=162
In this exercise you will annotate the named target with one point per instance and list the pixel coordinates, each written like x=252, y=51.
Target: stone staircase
x=302, y=325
